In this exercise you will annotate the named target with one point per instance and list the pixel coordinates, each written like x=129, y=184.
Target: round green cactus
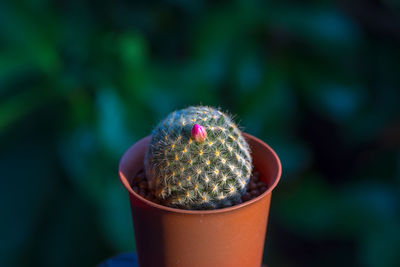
x=198, y=159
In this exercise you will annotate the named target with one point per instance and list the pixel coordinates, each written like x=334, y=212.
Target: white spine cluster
x=185, y=173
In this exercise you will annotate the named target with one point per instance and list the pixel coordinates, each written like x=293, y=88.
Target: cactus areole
x=198, y=159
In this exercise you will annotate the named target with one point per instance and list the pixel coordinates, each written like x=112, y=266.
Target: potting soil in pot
x=254, y=188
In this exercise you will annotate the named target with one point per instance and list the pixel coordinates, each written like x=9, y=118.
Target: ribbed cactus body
x=190, y=174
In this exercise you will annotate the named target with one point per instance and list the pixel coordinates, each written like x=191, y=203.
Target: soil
x=254, y=188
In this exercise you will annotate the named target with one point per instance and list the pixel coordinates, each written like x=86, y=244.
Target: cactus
x=198, y=159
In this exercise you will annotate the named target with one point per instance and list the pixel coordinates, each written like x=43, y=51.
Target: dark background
x=80, y=81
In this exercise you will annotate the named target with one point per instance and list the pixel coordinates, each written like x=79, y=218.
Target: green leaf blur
x=81, y=81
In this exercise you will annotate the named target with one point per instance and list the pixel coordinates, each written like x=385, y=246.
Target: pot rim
x=277, y=177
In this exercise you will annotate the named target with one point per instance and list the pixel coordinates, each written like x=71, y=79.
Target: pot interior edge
x=132, y=163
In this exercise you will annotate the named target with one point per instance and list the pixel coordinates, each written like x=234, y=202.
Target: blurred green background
x=81, y=81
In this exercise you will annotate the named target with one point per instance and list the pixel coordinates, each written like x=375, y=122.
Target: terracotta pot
x=231, y=236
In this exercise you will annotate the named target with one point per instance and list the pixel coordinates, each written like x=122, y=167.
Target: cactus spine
x=198, y=159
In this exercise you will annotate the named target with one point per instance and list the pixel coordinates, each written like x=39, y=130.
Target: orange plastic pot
x=232, y=236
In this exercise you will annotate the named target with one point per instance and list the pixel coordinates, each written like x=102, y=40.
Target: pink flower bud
x=199, y=133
